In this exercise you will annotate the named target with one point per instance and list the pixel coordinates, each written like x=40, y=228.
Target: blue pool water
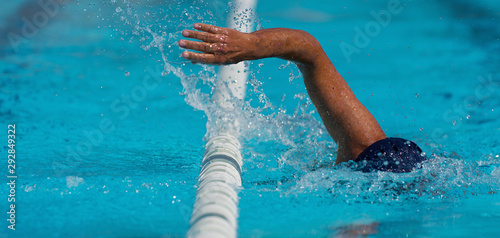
x=99, y=153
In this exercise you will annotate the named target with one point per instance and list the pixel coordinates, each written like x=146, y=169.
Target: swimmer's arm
x=349, y=123
x=228, y=46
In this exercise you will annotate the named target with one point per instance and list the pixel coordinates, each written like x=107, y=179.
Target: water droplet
x=118, y=9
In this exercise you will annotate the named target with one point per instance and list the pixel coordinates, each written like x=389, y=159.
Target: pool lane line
x=215, y=211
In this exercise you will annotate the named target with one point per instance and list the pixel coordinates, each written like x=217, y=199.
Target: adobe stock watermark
x=46, y=9
x=372, y=29
x=122, y=107
x=483, y=91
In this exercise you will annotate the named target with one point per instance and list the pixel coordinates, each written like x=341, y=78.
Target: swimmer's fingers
x=219, y=45
x=202, y=58
x=204, y=36
x=210, y=28
x=198, y=46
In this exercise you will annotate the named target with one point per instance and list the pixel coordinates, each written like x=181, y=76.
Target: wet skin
x=349, y=123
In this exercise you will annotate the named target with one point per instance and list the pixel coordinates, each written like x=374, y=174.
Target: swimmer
x=358, y=135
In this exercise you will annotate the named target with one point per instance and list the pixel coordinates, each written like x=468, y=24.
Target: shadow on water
x=25, y=23
x=482, y=23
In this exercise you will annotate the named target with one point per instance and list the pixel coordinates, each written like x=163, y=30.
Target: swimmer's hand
x=219, y=45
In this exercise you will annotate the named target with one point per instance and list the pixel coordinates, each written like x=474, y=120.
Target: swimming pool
x=102, y=154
